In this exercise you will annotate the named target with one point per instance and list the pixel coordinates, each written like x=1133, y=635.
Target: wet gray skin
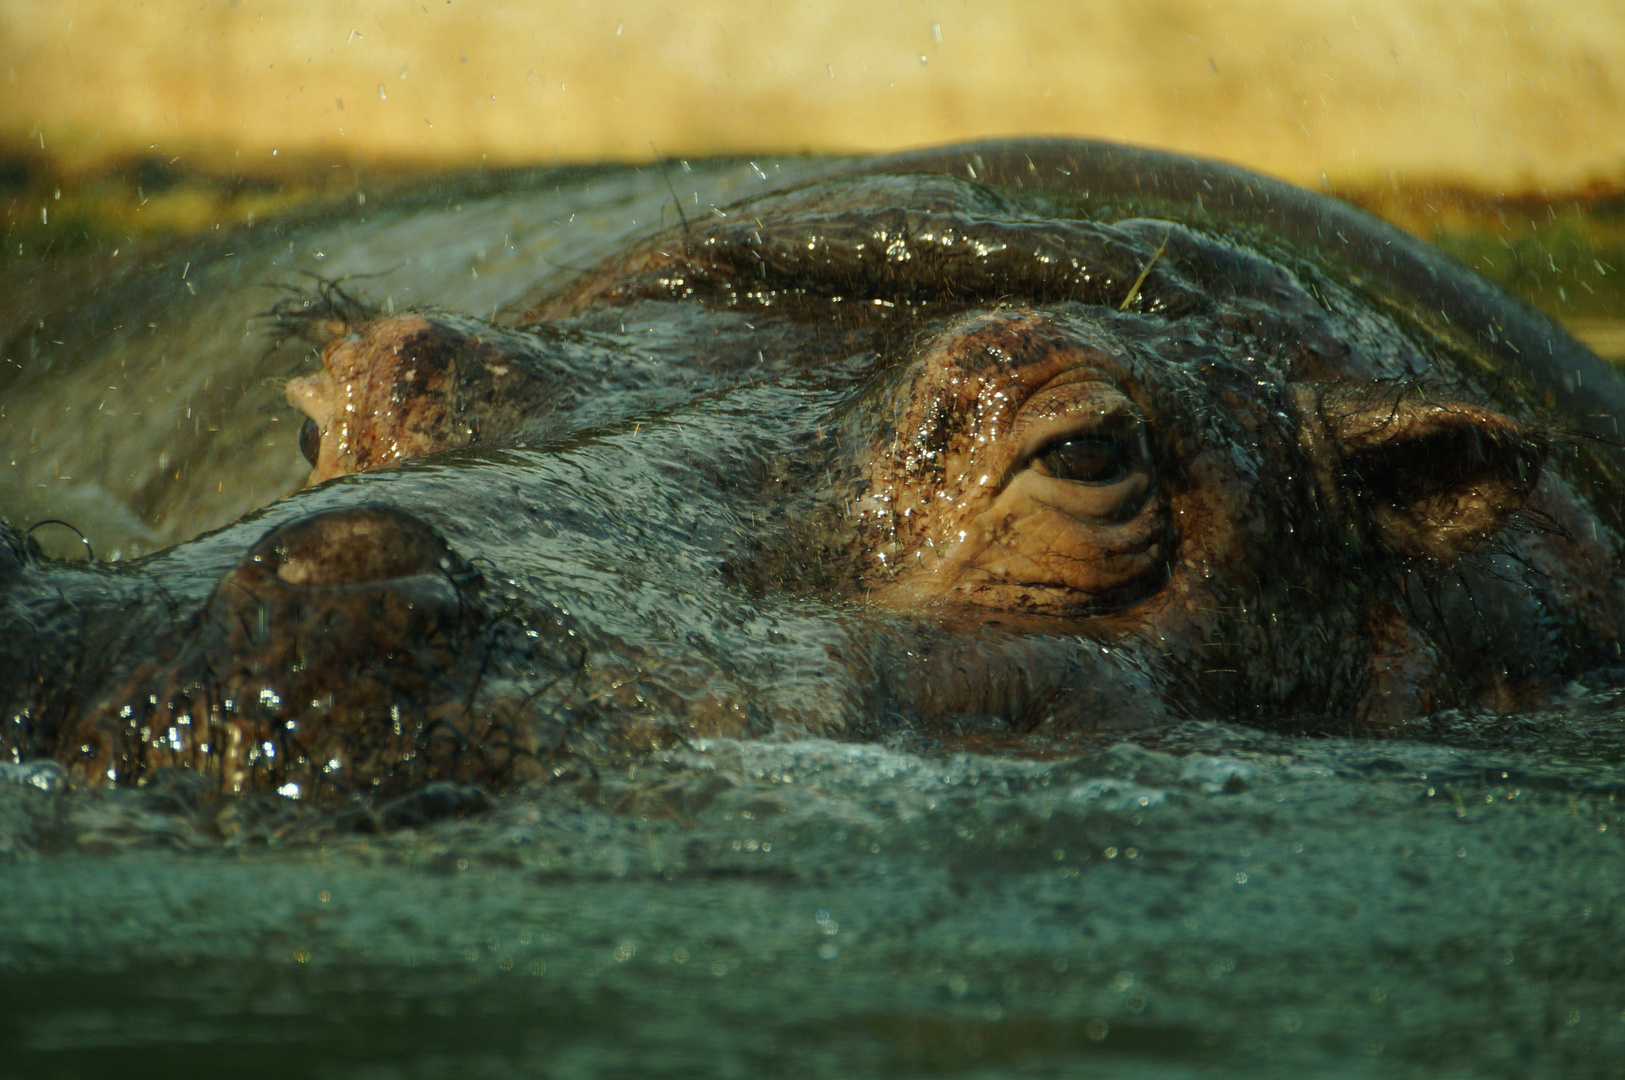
x=886, y=455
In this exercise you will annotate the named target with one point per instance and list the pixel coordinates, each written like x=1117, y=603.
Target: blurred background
x=1468, y=123
x=1493, y=93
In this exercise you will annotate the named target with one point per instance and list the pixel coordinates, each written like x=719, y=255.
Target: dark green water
x=1224, y=904
x=1211, y=902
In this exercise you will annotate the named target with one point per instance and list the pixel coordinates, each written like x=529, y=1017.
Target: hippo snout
x=349, y=649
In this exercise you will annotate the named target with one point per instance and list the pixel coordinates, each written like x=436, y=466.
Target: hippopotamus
x=1015, y=441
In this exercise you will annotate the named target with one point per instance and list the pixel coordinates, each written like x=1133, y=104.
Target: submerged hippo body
x=900, y=450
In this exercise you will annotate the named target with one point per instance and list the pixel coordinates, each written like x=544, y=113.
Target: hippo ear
x=1434, y=477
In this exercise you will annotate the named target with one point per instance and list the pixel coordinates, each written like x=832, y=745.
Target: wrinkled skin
x=882, y=454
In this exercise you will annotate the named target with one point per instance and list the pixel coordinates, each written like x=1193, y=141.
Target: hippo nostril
x=310, y=441
x=352, y=547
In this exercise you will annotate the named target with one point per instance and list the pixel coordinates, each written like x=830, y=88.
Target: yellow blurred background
x=1481, y=94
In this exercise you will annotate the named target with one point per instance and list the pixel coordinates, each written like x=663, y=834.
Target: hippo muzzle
x=350, y=649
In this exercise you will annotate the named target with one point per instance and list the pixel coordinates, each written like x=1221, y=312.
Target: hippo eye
x=310, y=441
x=1086, y=459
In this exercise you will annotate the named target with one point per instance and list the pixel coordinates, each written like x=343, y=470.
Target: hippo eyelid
x=1096, y=460
x=1053, y=447
x=1090, y=504
x=1094, y=419
x=1074, y=419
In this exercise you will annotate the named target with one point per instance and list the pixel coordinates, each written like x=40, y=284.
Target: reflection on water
x=1213, y=901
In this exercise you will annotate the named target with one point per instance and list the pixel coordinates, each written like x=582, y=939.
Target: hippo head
x=879, y=455
x=1085, y=473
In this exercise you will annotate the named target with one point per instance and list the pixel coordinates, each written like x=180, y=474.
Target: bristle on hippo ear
x=319, y=314
x=1433, y=477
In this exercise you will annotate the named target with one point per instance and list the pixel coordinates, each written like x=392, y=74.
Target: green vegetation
x=1566, y=255
x=47, y=209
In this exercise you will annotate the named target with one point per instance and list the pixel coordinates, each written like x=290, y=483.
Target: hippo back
x=1524, y=344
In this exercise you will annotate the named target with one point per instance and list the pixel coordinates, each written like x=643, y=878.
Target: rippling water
x=1218, y=903
x=1212, y=900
